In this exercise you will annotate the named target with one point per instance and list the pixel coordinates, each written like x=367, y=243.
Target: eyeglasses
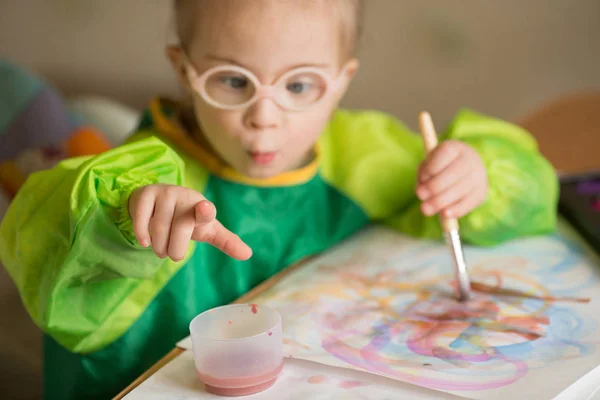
x=230, y=87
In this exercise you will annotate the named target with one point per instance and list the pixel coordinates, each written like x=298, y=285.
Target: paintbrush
x=449, y=225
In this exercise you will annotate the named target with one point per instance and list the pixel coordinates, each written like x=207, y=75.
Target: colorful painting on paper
x=382, y=303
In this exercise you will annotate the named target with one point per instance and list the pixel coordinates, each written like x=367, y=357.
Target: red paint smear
x=270, y=333
x=449, y=310
x=352, y=384
x=317, y=379
x=320, y=379
x=229, y=322
x=254, y=308
x=477, y=312
x=485, y=313
x=483, y=288
x=241, y=385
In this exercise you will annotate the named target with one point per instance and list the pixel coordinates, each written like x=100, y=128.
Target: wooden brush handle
x=431, y=141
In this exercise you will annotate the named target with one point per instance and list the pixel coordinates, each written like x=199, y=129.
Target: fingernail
x=427, y=209
x=144, y=243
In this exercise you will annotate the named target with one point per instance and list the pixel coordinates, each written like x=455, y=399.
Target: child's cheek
x=216, y=122
x=305, y=132
x=315, y=122
x=229, y=123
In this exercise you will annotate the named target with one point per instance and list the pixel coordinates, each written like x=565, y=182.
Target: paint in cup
x=238, y=349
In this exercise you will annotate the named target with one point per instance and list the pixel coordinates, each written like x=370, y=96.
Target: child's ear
x=349, y=70
x=175, y=56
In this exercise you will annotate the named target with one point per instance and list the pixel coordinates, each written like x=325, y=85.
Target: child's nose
x=264, y=114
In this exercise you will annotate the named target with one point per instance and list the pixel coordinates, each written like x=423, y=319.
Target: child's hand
x=452, y=180
x=173, y=215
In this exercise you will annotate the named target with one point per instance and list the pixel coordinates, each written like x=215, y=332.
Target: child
x=113, y=254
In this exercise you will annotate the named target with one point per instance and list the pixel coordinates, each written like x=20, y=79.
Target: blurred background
x=504, y=58
x=500, y=57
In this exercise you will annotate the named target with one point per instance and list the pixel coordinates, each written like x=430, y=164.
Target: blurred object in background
x=503, y=58
x=36, y=128
x=568, y=131
x=115, y=120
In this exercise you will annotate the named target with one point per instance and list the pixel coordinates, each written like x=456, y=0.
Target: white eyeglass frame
x=198, y=83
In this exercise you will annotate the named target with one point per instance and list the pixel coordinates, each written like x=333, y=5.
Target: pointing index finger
x=215, y=234
x=230, y=243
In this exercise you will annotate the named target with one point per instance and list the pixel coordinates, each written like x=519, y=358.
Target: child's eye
x=299, y=87
x=234, y=82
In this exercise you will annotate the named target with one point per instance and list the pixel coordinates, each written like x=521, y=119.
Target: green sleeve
x=379, y=163
x=67, y=243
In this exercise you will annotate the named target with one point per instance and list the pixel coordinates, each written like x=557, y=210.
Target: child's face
x=268, y=38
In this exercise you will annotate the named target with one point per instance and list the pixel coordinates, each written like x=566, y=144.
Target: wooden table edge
x=176, y=352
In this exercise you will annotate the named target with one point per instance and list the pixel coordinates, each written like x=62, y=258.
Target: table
x=567, y=130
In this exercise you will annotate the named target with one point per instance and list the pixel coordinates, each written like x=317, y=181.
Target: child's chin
x=257, y=171
x=260, y=172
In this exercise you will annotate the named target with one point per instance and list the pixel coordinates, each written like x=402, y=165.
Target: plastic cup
x=238, y=349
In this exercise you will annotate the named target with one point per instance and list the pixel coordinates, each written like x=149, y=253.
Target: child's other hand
x=168, y=216
x=452, y=180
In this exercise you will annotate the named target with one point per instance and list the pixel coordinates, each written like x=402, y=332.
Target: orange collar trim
x=174, y=132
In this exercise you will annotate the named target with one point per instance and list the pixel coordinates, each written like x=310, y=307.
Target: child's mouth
x=262, y=157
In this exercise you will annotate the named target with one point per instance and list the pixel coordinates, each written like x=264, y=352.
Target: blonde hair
x=351, y=13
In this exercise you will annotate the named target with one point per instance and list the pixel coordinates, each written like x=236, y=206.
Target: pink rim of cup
x=238, y=349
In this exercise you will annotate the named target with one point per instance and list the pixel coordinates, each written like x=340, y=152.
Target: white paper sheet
x=359, y=293
x=185, y=344
x=380, y=304
x=586, y=388
x=178, y=381
x=367, y=310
